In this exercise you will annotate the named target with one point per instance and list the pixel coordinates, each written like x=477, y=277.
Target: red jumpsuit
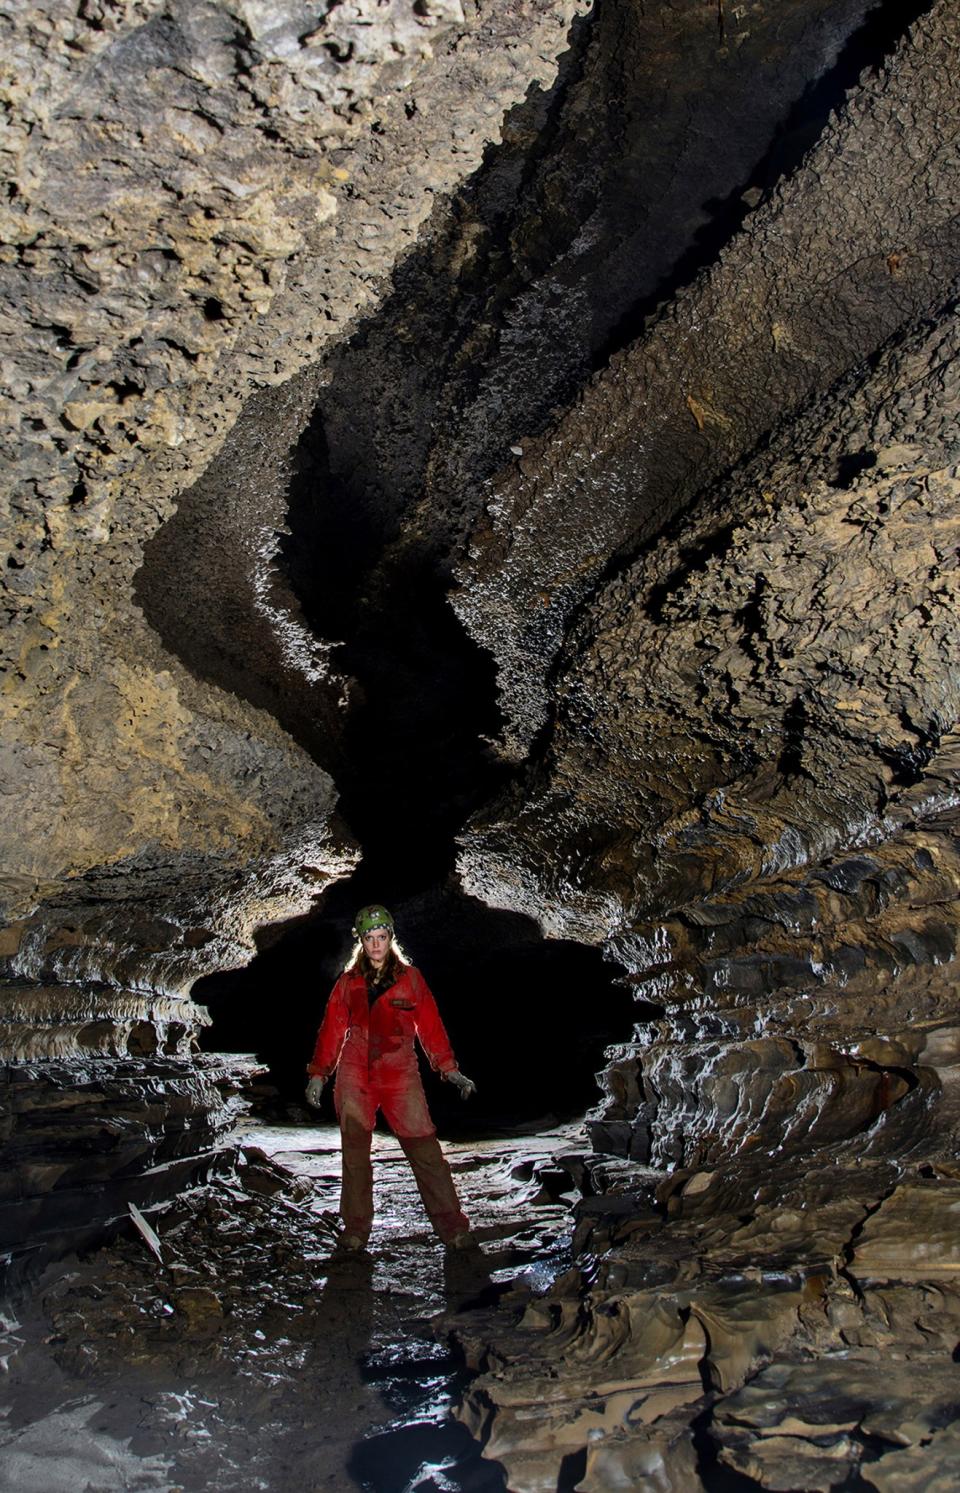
x=371, y=1047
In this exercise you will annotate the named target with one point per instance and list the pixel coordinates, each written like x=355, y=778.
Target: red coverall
x=371, y=1047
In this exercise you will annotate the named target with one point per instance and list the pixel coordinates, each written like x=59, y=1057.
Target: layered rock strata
x=202, y=197
x=83, y=1139
x=856, y=243
x=740, y=697
x=766, y=1236
x=805, y=1343
x=768, y=682
x=747, y=793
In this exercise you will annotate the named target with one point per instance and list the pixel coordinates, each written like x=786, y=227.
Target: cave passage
x=529, y=1019
x=551, y=258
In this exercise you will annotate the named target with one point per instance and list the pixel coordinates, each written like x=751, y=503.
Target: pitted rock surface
x=638, y=326
x=857, y=243
x=205, y=195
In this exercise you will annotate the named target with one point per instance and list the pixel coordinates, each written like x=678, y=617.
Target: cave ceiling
x=644, y=239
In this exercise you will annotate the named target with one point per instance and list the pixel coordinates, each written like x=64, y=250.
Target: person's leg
x=356, y=1182
x=357, y=1115
x=404, y=1106
x=435, y=1185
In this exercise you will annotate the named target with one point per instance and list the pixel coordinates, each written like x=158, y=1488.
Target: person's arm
x=434, y=1039
x=430, y=1029
x=333, y=1029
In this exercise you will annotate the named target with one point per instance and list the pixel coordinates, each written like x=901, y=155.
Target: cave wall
x=668, y=388
x=735, y=694
x=856, y=242
x=203, y=197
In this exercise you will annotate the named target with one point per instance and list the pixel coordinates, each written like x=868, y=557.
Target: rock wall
x=855, y=243
x=683, y=420
x=744, y=788
x=765, y=1277
x=204, y=197
x=82, y=1139
x=766, y=683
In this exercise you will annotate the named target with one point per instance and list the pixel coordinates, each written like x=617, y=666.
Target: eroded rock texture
x=202, y=197
x=667, y=392
x=857, y=242
x=746, y=791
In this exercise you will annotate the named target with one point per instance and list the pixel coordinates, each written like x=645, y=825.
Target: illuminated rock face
x=205, y=196
x=746, y=791
x=692, y=478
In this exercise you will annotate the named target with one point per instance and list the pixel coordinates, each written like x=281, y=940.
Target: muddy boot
x=350, y=1244
x=464, y=1241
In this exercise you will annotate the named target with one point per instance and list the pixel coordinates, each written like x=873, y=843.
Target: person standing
x=378, y=1006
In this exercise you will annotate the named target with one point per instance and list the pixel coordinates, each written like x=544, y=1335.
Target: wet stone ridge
x=84, y=1139
x=813, y=1009
x=805, y=1340
x=766, y=1240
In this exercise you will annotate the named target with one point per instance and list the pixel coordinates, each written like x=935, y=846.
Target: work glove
x=314, y=1092
x=462, y=1082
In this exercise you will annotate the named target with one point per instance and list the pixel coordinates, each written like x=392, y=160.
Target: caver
x=378, y=1007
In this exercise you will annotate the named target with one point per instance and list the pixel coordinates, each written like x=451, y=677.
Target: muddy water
x=253, y=1359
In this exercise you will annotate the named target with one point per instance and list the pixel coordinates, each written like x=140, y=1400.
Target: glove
x=462, y=1082
x=314, y=1092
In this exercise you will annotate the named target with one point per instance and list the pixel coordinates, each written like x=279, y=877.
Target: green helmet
x=372, y=917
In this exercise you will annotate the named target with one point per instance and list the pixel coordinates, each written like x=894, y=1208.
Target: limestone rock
x=858, y=242
x=912, y=1236
x=205, y=195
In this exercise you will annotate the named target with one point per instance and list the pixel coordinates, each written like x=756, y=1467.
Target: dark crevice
x=573, y=1469
x=496, y=320
x=494, y=323
x=909, y=763
x=411, y=764
x=794, y=730
x=850, y=466
x=692, y=562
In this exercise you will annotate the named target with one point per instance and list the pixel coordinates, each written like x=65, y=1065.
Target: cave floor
x=251, y=1359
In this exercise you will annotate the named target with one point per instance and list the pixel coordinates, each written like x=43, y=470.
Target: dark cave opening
x=470, y=352
x=529, y=1018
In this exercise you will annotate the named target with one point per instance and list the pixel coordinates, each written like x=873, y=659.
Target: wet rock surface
x=708, y=1329
x=85, y=1136
x=253, y=1358
x=669, y=389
